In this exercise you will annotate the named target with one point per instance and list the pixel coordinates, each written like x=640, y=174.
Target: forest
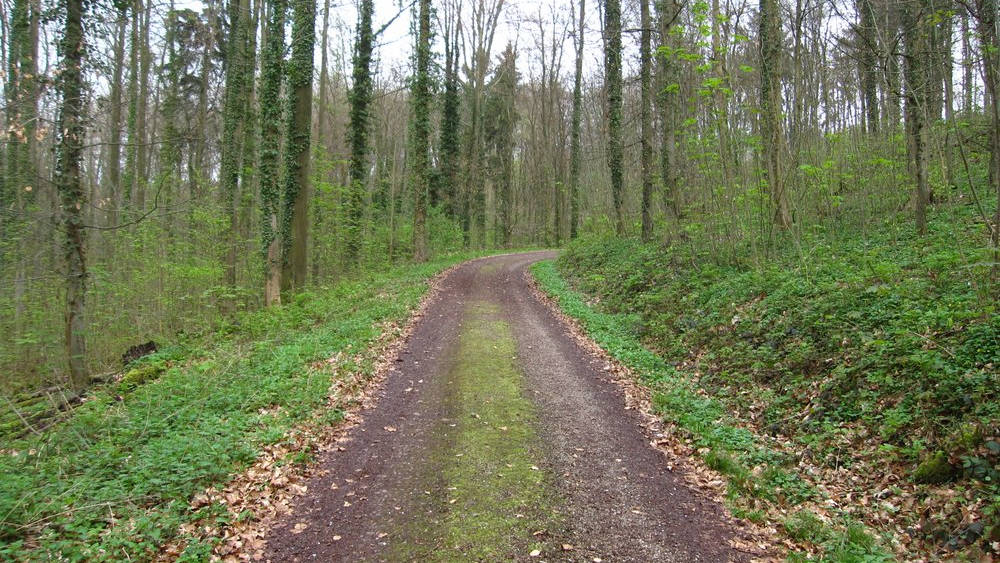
x=800, y=195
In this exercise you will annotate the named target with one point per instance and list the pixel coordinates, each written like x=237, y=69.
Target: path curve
x=592, y=487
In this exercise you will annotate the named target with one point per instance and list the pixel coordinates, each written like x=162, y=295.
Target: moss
x=139, y=375
x=934, y=470
x=488, y=489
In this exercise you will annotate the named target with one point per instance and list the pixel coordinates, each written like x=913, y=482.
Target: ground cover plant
x=867, y=365
x=114, y=480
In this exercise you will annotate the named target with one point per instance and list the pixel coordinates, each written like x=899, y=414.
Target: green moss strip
x=488, y=489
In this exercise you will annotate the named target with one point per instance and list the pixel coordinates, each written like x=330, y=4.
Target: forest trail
x=497, y=437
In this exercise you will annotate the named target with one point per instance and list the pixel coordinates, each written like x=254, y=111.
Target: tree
x=69, y=154
x=421, y=100
x=646, y=118
x=481, y=31
x=499, y=134
x=772, y=136
x=613, y=85
x=447, y=190
x=574, y=159
x=233, y=121
x=867, y=52
x=988, y=17
x=295, y=228
x=360, y=100
x=916, y=39
x=21, y=111
x=270, y=148
x=667, y=100
x=115, y=125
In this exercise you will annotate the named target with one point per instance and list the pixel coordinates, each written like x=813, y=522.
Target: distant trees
x=208, y=179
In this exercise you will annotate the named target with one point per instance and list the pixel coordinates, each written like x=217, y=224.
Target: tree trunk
x=115, y=124
x=574, y=157
x=270, y=147
x=232, y=128
x=613, y=84
x=69, y=152
x=868, y=48
x=916, y=38
x=450, y=150
x=770, y=119
x=295, y=231
x=987, y=23
x=360, y=99
x=646, y=150
x=667, y=104
x=421, y=94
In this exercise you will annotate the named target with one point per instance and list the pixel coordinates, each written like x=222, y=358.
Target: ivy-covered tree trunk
x=270, y=149
x=295, y=231
x=646, y=118
x=574, y=143
x=360, y=100
x=613, y=86
x=421, y=100
x=447, y=192
x=772, y=135
x=69, y=154
x=499, y=134
x=232, y=127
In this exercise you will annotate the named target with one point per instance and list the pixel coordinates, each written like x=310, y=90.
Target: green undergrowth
x=874, y=352
x=487, y=492
x=722, y=443
x=113, y=482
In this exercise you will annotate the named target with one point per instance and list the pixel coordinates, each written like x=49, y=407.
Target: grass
x=489, y=494
x=874, y=353
x=114, y=480
x=758, y=476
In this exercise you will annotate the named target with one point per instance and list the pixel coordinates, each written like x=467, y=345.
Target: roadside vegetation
x=848, y=380
x=115, y=478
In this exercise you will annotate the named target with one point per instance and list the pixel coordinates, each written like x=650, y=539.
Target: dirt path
x=497, y=436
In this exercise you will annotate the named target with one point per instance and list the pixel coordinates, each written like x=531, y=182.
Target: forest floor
x=496, y=435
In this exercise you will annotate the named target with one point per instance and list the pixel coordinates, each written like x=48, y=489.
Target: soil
x=497, y=436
